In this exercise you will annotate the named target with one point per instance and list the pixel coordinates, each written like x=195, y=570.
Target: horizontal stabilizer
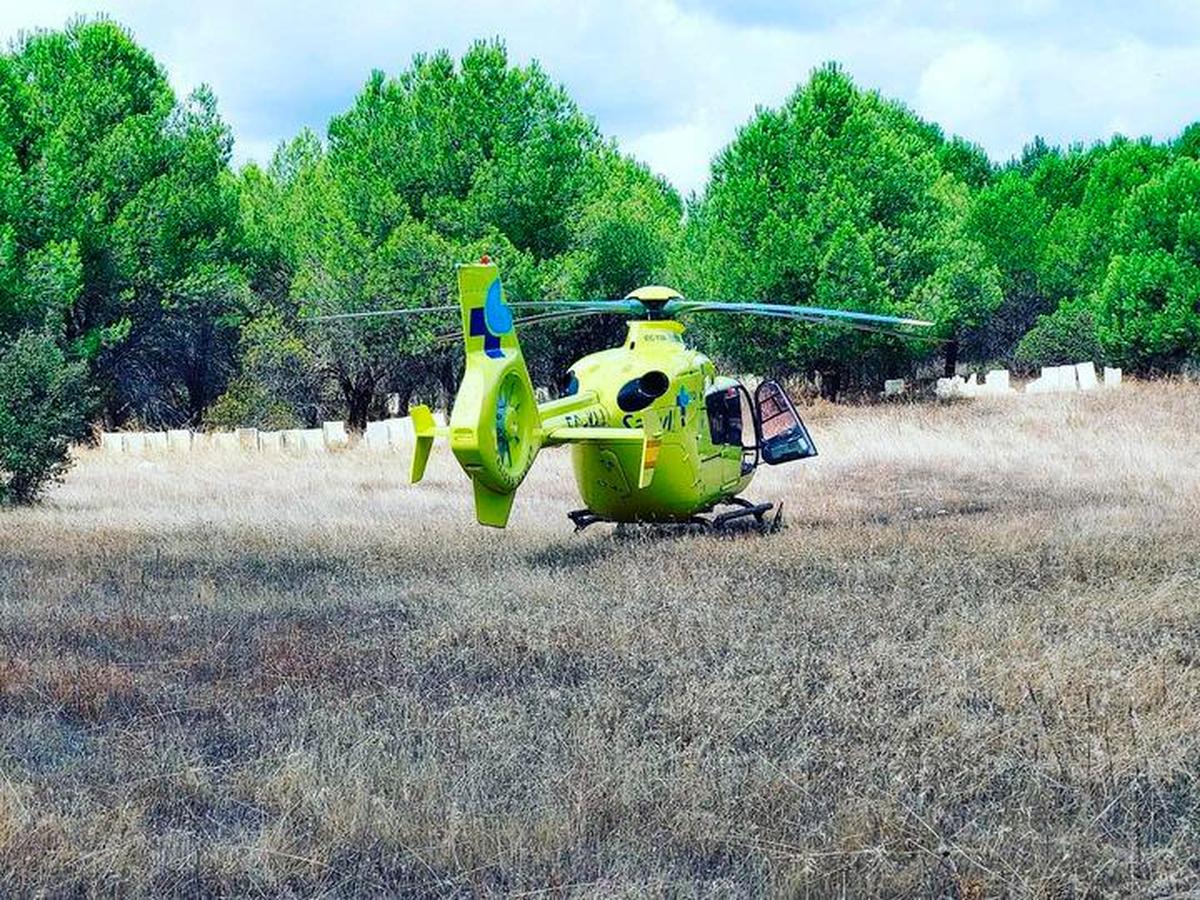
x=582, y=434
x=649, y=437
x=426, y=430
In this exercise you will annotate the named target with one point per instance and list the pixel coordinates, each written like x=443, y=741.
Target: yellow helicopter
x=656, y=434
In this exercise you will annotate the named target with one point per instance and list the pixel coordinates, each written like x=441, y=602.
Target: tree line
x=145, y=280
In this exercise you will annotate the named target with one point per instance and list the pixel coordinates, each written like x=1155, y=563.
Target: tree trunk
x=951, y=357
x=358, y=393
x=447, y=381
x=195, y=382
x=359, y=405
x=403, y=398
x=831, y=384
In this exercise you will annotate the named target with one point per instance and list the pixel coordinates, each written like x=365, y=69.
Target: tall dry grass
x=969, y=667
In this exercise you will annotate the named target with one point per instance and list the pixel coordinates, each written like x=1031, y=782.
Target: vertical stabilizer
x=495, y=429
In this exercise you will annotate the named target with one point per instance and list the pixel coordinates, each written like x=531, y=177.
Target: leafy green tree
x=621, y=236
x=466, y=147
x=439, y=165
x=1115, y=255
x=43, y=408
x=839, y=199
x=410, y=269
x=1126, y=260
x=118, y=218
x=316, y=255
x=1164, y=213
x=1080, y=239
x=1007, y=219
x=966, y=161
x=279, y=385
x=1188, y=142
x=1148, y=310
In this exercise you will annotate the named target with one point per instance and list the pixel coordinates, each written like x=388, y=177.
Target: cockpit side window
x=724, y=408
x=715, y=405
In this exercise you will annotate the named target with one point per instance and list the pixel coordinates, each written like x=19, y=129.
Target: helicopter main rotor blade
x=572, y=314
x=546, y=317
x=618, y=307
x=378, y=313
x=833, y=323
x=807, y=313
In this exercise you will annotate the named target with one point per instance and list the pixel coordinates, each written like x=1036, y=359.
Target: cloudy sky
x=673, y=79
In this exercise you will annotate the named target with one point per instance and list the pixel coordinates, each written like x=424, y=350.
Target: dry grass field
x=969, y=667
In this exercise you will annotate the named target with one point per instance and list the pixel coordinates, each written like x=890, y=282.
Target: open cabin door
x=733, y=431
x=782, y=436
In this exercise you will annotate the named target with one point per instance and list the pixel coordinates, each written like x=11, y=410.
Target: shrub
x=43, y=407
x=279, y=386
x=248, y=404
x=1146, y=313
x=1067, y=335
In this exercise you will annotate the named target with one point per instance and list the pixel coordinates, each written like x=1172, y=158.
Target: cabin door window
x=782, y=436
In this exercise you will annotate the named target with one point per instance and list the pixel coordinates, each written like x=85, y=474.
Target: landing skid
x=743, y=509
x=584, y=517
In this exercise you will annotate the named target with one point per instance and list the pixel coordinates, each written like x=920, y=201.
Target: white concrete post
x=1085, y=374
x=376, y=436
x=997, y=382
x=247, y=439
x=334, y=435
x=179, y=440
x=949, y=388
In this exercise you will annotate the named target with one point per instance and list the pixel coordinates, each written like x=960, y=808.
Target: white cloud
x=685, y=150
x=972, y=89
x=673, y=79
x=1003, y=94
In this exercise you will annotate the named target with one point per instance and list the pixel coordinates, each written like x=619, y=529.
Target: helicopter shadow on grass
x=581, y=550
